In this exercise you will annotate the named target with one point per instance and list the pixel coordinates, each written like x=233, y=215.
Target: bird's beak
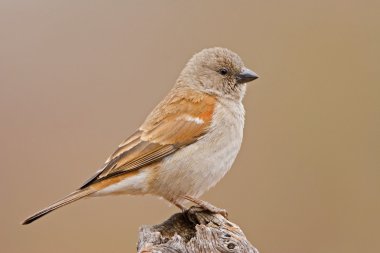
x=246, y=75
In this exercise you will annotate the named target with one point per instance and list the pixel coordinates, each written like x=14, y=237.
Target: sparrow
x=186, y=144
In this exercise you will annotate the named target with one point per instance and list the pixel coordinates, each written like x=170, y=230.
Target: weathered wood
x=194, y=231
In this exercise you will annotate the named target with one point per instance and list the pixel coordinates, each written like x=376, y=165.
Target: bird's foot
x=206, y=206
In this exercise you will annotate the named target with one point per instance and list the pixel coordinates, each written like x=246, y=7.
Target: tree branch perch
x=196, y=230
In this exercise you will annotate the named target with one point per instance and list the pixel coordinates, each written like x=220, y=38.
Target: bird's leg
x=182, y=207
x=178, y=204
x=207, y=206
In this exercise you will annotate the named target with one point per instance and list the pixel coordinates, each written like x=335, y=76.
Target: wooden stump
x=194, y=231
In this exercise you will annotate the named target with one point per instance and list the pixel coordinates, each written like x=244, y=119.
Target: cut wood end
x=195, y=230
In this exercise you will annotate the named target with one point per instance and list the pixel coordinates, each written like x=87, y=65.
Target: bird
x=186, y=144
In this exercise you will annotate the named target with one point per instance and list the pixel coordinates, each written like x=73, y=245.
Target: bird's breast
x=199, y=166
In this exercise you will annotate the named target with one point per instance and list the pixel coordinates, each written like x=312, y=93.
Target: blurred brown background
x=76, y=77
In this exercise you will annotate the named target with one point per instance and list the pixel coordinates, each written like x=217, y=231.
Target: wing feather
x=176, y=122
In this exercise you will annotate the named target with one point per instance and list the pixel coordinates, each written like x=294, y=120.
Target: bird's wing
x=176, y=122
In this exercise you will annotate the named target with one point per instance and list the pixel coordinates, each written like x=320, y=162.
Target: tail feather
x=65, y=201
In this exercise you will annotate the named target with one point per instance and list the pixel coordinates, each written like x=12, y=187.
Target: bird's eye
x=223, y=71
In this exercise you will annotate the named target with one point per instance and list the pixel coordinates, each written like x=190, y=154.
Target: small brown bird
x=186, y=144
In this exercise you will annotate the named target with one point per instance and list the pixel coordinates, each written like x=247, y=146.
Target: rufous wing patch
x=186, y=119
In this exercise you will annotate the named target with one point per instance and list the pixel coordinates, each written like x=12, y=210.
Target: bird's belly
x=199, y=166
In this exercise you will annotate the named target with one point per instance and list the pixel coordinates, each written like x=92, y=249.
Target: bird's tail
x=65, y=201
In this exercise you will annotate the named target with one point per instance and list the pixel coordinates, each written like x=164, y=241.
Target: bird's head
x=217, y=71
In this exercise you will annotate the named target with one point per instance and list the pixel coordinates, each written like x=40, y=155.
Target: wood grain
x=196, y=230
